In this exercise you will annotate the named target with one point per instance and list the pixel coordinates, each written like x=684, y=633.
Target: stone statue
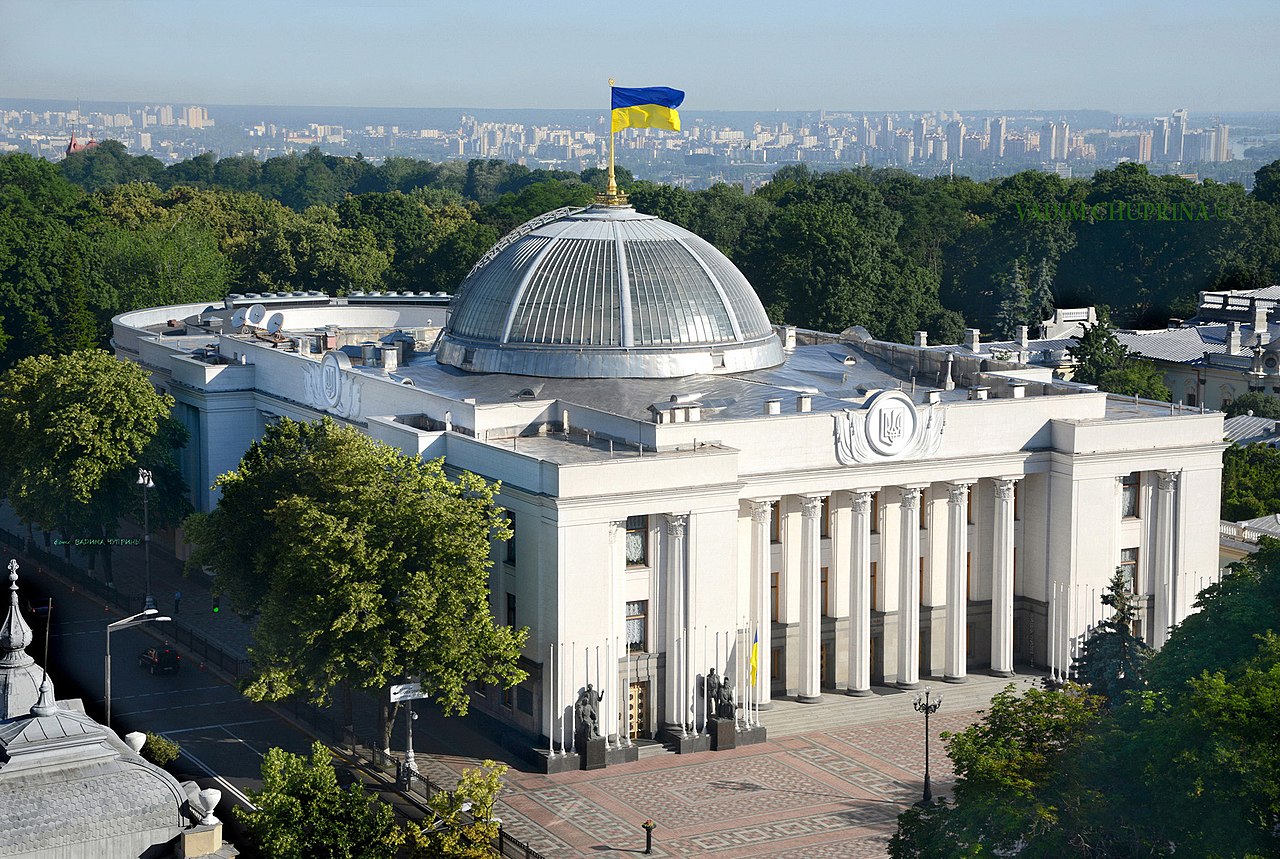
x=587, y=710
x=713, y=691
x=725, y=708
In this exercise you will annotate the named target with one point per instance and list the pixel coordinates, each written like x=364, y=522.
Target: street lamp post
x=410, y=762
x=145, y=481
x=926, y=703
x=147, y=615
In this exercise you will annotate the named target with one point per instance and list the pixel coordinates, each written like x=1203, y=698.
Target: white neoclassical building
x=685, y=480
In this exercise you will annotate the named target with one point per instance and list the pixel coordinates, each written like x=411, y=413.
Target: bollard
x=649, y=826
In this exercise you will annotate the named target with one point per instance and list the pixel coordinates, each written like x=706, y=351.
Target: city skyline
x=996, y=56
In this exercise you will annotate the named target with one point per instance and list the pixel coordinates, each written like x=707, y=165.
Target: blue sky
x=746, y=55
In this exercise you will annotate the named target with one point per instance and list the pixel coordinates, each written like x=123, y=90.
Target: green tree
x=1250, y=482
x=463, y=826
x=1015, y=303
x=1006, y=767
x=1113, y=658
x=1136, y=378
x=1262, y=405
x=76, y=424
x=160, y=750
x=362, y=566
x=1102, y=360
x=303, y=813
x=1266, y=184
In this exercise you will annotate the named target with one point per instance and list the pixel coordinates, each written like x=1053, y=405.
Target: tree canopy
x=1182, y=765
x=303, y=813
x=1102, y=360
x=362, y=565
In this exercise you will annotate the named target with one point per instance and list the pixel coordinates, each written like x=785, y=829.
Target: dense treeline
x=104, y=231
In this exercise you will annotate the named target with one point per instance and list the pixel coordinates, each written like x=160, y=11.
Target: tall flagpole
x=612, y=188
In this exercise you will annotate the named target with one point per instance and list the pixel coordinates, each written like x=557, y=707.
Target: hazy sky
x=745, y=55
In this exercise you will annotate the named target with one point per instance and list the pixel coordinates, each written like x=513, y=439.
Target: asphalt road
x=222, y=735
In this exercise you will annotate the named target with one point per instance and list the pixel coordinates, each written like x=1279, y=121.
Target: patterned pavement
x=820, y=795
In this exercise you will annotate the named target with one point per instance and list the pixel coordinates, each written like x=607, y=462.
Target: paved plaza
x=819, y=793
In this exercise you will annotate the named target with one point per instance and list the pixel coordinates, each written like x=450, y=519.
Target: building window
x=973, y=490
x=875, y=595
x=511, y=609
x=824, y=611
x=524, y=700
x=773, y=596
x=638, y=626
x=637, y=541
x=924, y=509
x=826, y=519
x=1191, y=399
x=775, y=522
x=1017, y=500
x=875, y=512
x=1129, y=566
x=775, y=664
x=1129, y=494
x=1136, y=628
x=510, y=556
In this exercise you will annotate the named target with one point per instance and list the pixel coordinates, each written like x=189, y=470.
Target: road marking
x=230, y=788
x=115, y=698
x=178, y=707
x=242, y=740
x=211, y=727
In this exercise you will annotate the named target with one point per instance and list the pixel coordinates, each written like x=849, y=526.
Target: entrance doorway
x=638, y=709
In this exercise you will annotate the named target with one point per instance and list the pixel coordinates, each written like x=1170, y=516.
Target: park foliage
x=1165, y=754
x=103, y=232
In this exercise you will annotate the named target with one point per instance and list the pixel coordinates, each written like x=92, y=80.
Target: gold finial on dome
x=612, y=196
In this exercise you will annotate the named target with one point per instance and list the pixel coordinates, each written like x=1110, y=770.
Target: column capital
x=1004, y=488
x=1168, y=480
x=911, y=496
x=614, y=528
x=811, y=505
x=676, y=523
x=958, y=492
x=761, y=509
x=861, y=501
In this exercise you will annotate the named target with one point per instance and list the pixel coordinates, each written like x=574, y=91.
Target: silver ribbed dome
x=606, y=292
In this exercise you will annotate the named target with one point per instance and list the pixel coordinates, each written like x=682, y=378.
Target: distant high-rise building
x=1178, y=134
x=1048, y=141
x=1160, y=141
x=903, y=147
x=165, y=114
x=1143, y=155
x=888, y=128
x=999, y=130
x=955, y=141
x=921, y=132
x=1221, y=151
x=196, y=117
x=1063, y=141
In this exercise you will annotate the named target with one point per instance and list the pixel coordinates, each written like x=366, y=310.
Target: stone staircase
x=787, y=717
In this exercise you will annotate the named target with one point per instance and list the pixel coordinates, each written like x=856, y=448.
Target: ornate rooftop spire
x=45, y=705
x=15, y=635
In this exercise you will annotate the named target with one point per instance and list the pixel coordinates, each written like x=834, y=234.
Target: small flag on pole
x=755, y=656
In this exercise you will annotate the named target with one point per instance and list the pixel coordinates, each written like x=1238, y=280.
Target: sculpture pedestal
x=594, y=753
x=724, y=734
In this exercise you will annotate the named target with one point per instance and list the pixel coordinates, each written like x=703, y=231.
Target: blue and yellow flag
x=755, y=656
x=646, y=107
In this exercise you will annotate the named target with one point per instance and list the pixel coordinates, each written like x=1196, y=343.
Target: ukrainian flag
x=646, y=107
x=755, y=656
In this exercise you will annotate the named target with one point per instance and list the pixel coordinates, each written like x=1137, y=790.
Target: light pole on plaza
x=147, y=615
x=926, y=703
x=145, y=481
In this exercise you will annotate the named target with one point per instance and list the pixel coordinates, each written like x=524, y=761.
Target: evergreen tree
x=1113, y=658
x=1015, y=303
x=1042, y=301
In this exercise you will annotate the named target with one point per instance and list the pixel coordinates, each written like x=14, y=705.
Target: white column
x=860, y=596
x=909, y=589
x=1002, y=581
x=810, y=598
x=1164, y=573
x=676, y=639
x=957, y=581
x=761, y=593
